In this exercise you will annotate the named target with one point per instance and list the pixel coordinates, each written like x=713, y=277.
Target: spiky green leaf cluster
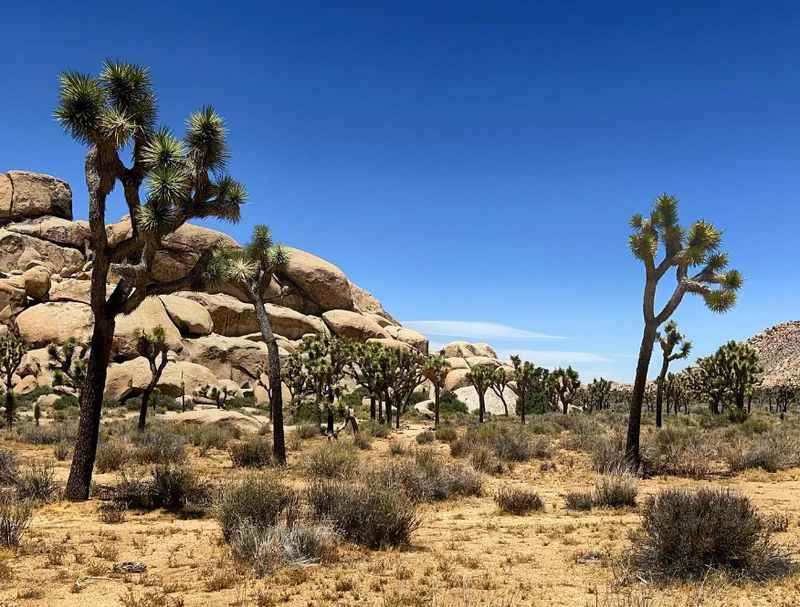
x=12, y=349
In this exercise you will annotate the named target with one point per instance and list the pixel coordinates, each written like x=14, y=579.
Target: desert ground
x=465, y=551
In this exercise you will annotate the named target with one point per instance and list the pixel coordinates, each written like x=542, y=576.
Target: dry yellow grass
x=466, y=552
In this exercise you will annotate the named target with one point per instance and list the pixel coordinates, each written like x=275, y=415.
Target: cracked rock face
x=779, y=352
x=24, y=195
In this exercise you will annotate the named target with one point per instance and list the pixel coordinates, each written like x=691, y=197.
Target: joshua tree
x=529, y=381
x=480, y=376
x=253, y=269
x=152, y=346
x=364, y=366
x=564, y=384
x=669, y=340
x=112, y=113
x=500, y=380
x=598, y=393
x=324, y=359
x=12, y=349
x=435, y=369
x=683, y=250
x=738, y=366
x=403, y=374
x=295, y=377
x=68, y=363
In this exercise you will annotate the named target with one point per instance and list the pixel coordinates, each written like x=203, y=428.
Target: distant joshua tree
x=153, y=346
x=683, y=249
x=435, y=369
x=68, y=364
x=480, y=376
x=669, y=340
x=12, y=349
x=598, y=393
x=529, y=384
x=564, y=384
x=253, y=269
x=111, y=114
x=501, y=377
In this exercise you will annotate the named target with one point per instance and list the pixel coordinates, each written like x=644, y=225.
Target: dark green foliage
x=370, y=515
x=253, y=452
x=518, y=501
x=449, y=404
x=684, y=534
x=178, y=488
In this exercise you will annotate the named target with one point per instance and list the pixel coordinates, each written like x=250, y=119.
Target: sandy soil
x=465, y=553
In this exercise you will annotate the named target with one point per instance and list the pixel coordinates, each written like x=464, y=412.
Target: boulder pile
x=45, y=268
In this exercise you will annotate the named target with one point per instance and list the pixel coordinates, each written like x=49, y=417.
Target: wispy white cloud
x=470, y=329
x=555, y=358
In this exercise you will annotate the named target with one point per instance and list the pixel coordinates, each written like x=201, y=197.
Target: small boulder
x=352, y=325
x=190, y=317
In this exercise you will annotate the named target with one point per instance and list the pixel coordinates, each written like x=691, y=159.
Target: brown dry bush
x=686, y=534
x=518, y=501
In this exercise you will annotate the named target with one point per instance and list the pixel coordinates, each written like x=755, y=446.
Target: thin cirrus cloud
x=474, y=330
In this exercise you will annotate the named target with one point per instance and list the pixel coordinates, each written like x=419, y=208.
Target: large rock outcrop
x=24, y=195
x=778, y=350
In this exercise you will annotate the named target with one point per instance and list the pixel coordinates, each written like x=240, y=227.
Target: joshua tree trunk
x=660, y=390
x=91, y=402
x=80, y=474
x=634, y=422
x=9, y=405
x=372, y=412
x=143, y=408
x=274, y=374
x=436, y=406
x=481, y=406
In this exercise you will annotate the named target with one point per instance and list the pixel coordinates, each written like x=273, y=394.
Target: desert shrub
x=579, y=500
x=608, y=452
x=36, y=482
x=252, y=452
x=681, y=451
x=113, y=455
x=684, y=534
x=737, y=416
x=483, y=459
x=133, y=490
x=397, y=448
x=259, y=500
x=426, y=437
x=375, y=429
x=9, y=467
x=15, y=516
x=112, y=512
x=332, y=460
x=449, y=404
x=177, y=488
x=158, y=446
x=307, y=430
x=518, y=501
x=775, y=452
x=210, y=436
x=541, y=448
x=446, y=434
x=266, y=549
x=776, y=522
x=65, y=401
x=369, y=515
x=362, y=441
x=61, y=451
x=49, y=434
x=511, y=443
x=616, y=490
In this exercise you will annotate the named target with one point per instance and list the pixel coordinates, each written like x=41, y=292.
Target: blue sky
x=473, y=164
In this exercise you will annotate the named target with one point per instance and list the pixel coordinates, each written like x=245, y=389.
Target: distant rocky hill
x=779, y=352
x=45, y=267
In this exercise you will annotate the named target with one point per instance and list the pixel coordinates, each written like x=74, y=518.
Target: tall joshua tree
x=529, y=383
x=153, y=346
x=12, y=349
x=501, y=377
x=669, y=340
x=686, y=251
x=253, y=269
x=112, y=113
x=435, y=369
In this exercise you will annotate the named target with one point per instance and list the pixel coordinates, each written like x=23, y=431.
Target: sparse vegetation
x=518, y=501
